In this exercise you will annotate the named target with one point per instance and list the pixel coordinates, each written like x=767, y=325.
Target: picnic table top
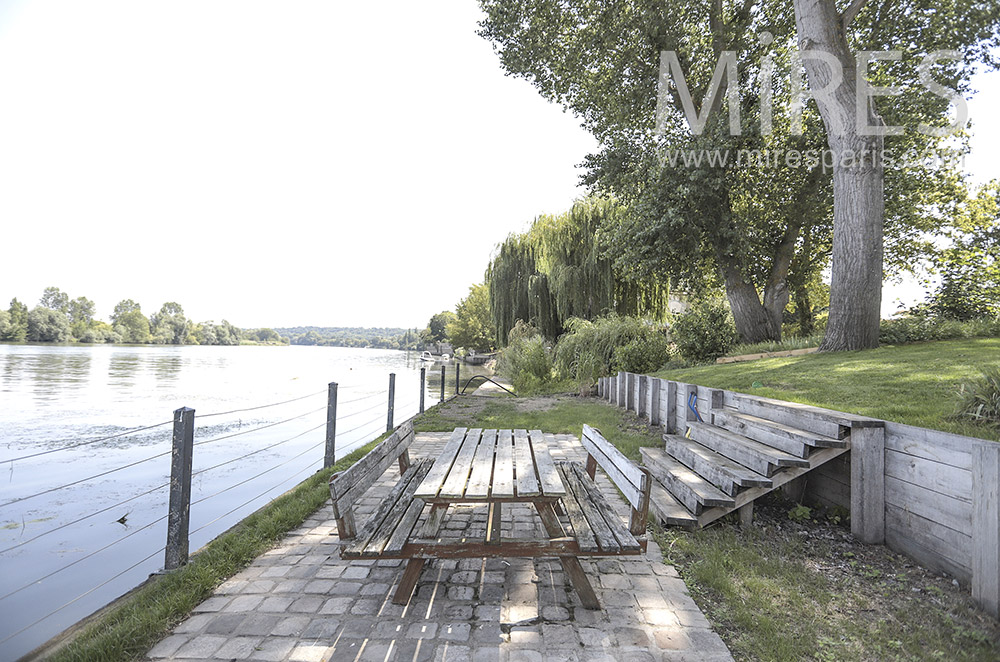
x=492, y=465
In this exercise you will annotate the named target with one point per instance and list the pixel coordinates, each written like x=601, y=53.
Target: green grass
x=559, y=415
x=777, y=593
x=127, y=630
x=913, y=384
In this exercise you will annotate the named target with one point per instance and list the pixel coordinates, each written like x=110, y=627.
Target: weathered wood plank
x=454, y=485
x=482, y=467
x=986, y=526
x=943, y=447
x=868, y=484
x=584, y=534
x=350, y=484
x=622, y=472
x=404, y=529
x=805, y=417
x=526, y=482
x=778, y=435
x=626, y=541
x=412, y=477
x=689, y=488
x=943, y=478
x=442, y=465
x=935, y=506
x=758, y=457
x=606, y=540
x=654, y=401
x=380, y=538
x=551, y=484
x=503, y=465
x=901, y=541
x=668, y=509
x=931, y=535
x=718, y=469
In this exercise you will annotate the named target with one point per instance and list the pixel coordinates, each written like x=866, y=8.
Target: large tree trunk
x=858, y=194
x=753, y=321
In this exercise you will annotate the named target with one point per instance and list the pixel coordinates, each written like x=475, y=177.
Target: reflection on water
x=55, y=397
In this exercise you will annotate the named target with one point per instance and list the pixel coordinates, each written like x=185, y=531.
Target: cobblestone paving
x=300, y=602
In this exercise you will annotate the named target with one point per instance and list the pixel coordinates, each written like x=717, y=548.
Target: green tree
x=47, y=325
x=54, y=299
x=169, y=326
x=129, y=323
x=81, y=318
x=18, y=323
x=438, y=324
x=472, y=327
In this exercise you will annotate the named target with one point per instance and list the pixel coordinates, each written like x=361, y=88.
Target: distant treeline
x=336, y=336
x=58, y=319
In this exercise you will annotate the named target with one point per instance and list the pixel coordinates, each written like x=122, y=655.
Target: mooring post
x=392, y=400
x=457, y=374
x=423, y=386
x=442, y=383
x=179, y=513
x=330, y=456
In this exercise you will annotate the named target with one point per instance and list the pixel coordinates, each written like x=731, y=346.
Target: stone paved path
x=300, y=602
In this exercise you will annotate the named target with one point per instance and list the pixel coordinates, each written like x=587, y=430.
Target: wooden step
x=777, y=435
x=667, y=509
x=815, y=419
x=754, y=455
x=719, y=470
x=693, y=491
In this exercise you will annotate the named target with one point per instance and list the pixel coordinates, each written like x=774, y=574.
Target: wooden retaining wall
x=930, y=495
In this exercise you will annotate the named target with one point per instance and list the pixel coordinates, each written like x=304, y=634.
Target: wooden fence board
x=935, y=476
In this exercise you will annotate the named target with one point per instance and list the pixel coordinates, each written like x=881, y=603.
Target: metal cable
x=84, y=480
x=261, y=427
x=366, y=397
x=85, y=517
x=273, y=404
x=226, y=514
x=374, y=420
x=362, y=411
x=87, y=443
x=82, y=558
x=82, y=595
x=259, y=450
x=243, y=482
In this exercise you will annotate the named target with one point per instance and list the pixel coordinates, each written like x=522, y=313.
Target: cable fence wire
x=361, y=411
x=88, y=442
x=258, y=428
x=365, y=397
x=82, y=595
x=259, y=450
x=249, y=501
x=273, y=404
x=84, y=480
x=85, y=517
x=266, y=471
x=82, y=558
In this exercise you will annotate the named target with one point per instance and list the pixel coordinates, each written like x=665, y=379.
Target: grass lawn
x=914, y=384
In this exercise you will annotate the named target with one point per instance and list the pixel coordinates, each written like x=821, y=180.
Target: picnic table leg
x=570, y=564
x=433, y=522
x=493, y=524
x=408, y=581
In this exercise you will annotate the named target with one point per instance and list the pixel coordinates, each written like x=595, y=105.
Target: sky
x=278, y=164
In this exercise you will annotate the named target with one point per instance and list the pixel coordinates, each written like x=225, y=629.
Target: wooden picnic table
x=493, y=468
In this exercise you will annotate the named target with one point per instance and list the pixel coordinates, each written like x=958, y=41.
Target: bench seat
x=598, y=529
x=391, y=525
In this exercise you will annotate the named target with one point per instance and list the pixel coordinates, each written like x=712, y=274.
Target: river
x=79, y=526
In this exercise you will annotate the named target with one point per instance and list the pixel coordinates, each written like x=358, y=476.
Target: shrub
x=920, y=327
x=979, y=399
x=610, y=344
x=526, y=361
x=705, y=332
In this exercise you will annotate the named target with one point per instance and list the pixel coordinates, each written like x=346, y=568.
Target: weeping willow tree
x=556, y=271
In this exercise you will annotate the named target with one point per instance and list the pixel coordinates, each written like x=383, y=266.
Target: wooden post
x=620, y=389
x=642, y=395
x=986, y=526
x=457, y=376
x=630, y=391
x=689, y=414
x=179, y=513
x=423, y=387
x=868, y=481
x=392, y=401
x=654, y=401
x=330, y=456
x=442, y=383
x=670, y=415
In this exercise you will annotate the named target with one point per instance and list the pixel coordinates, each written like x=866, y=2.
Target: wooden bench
x=346, y=487
x=598, y=529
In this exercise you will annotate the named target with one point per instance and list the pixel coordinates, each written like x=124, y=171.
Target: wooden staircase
x=736, y=454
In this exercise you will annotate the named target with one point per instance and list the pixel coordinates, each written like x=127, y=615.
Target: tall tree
x=54, y=299
x=169, y=326
x=18, y=328
x=437, y=327
x=129, y=323
x=472, y=326
x=856, y=130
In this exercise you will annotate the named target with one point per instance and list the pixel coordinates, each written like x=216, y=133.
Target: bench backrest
x=633, y=481
x=347, y=486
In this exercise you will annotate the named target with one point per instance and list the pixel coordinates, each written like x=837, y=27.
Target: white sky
x=276, y=164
